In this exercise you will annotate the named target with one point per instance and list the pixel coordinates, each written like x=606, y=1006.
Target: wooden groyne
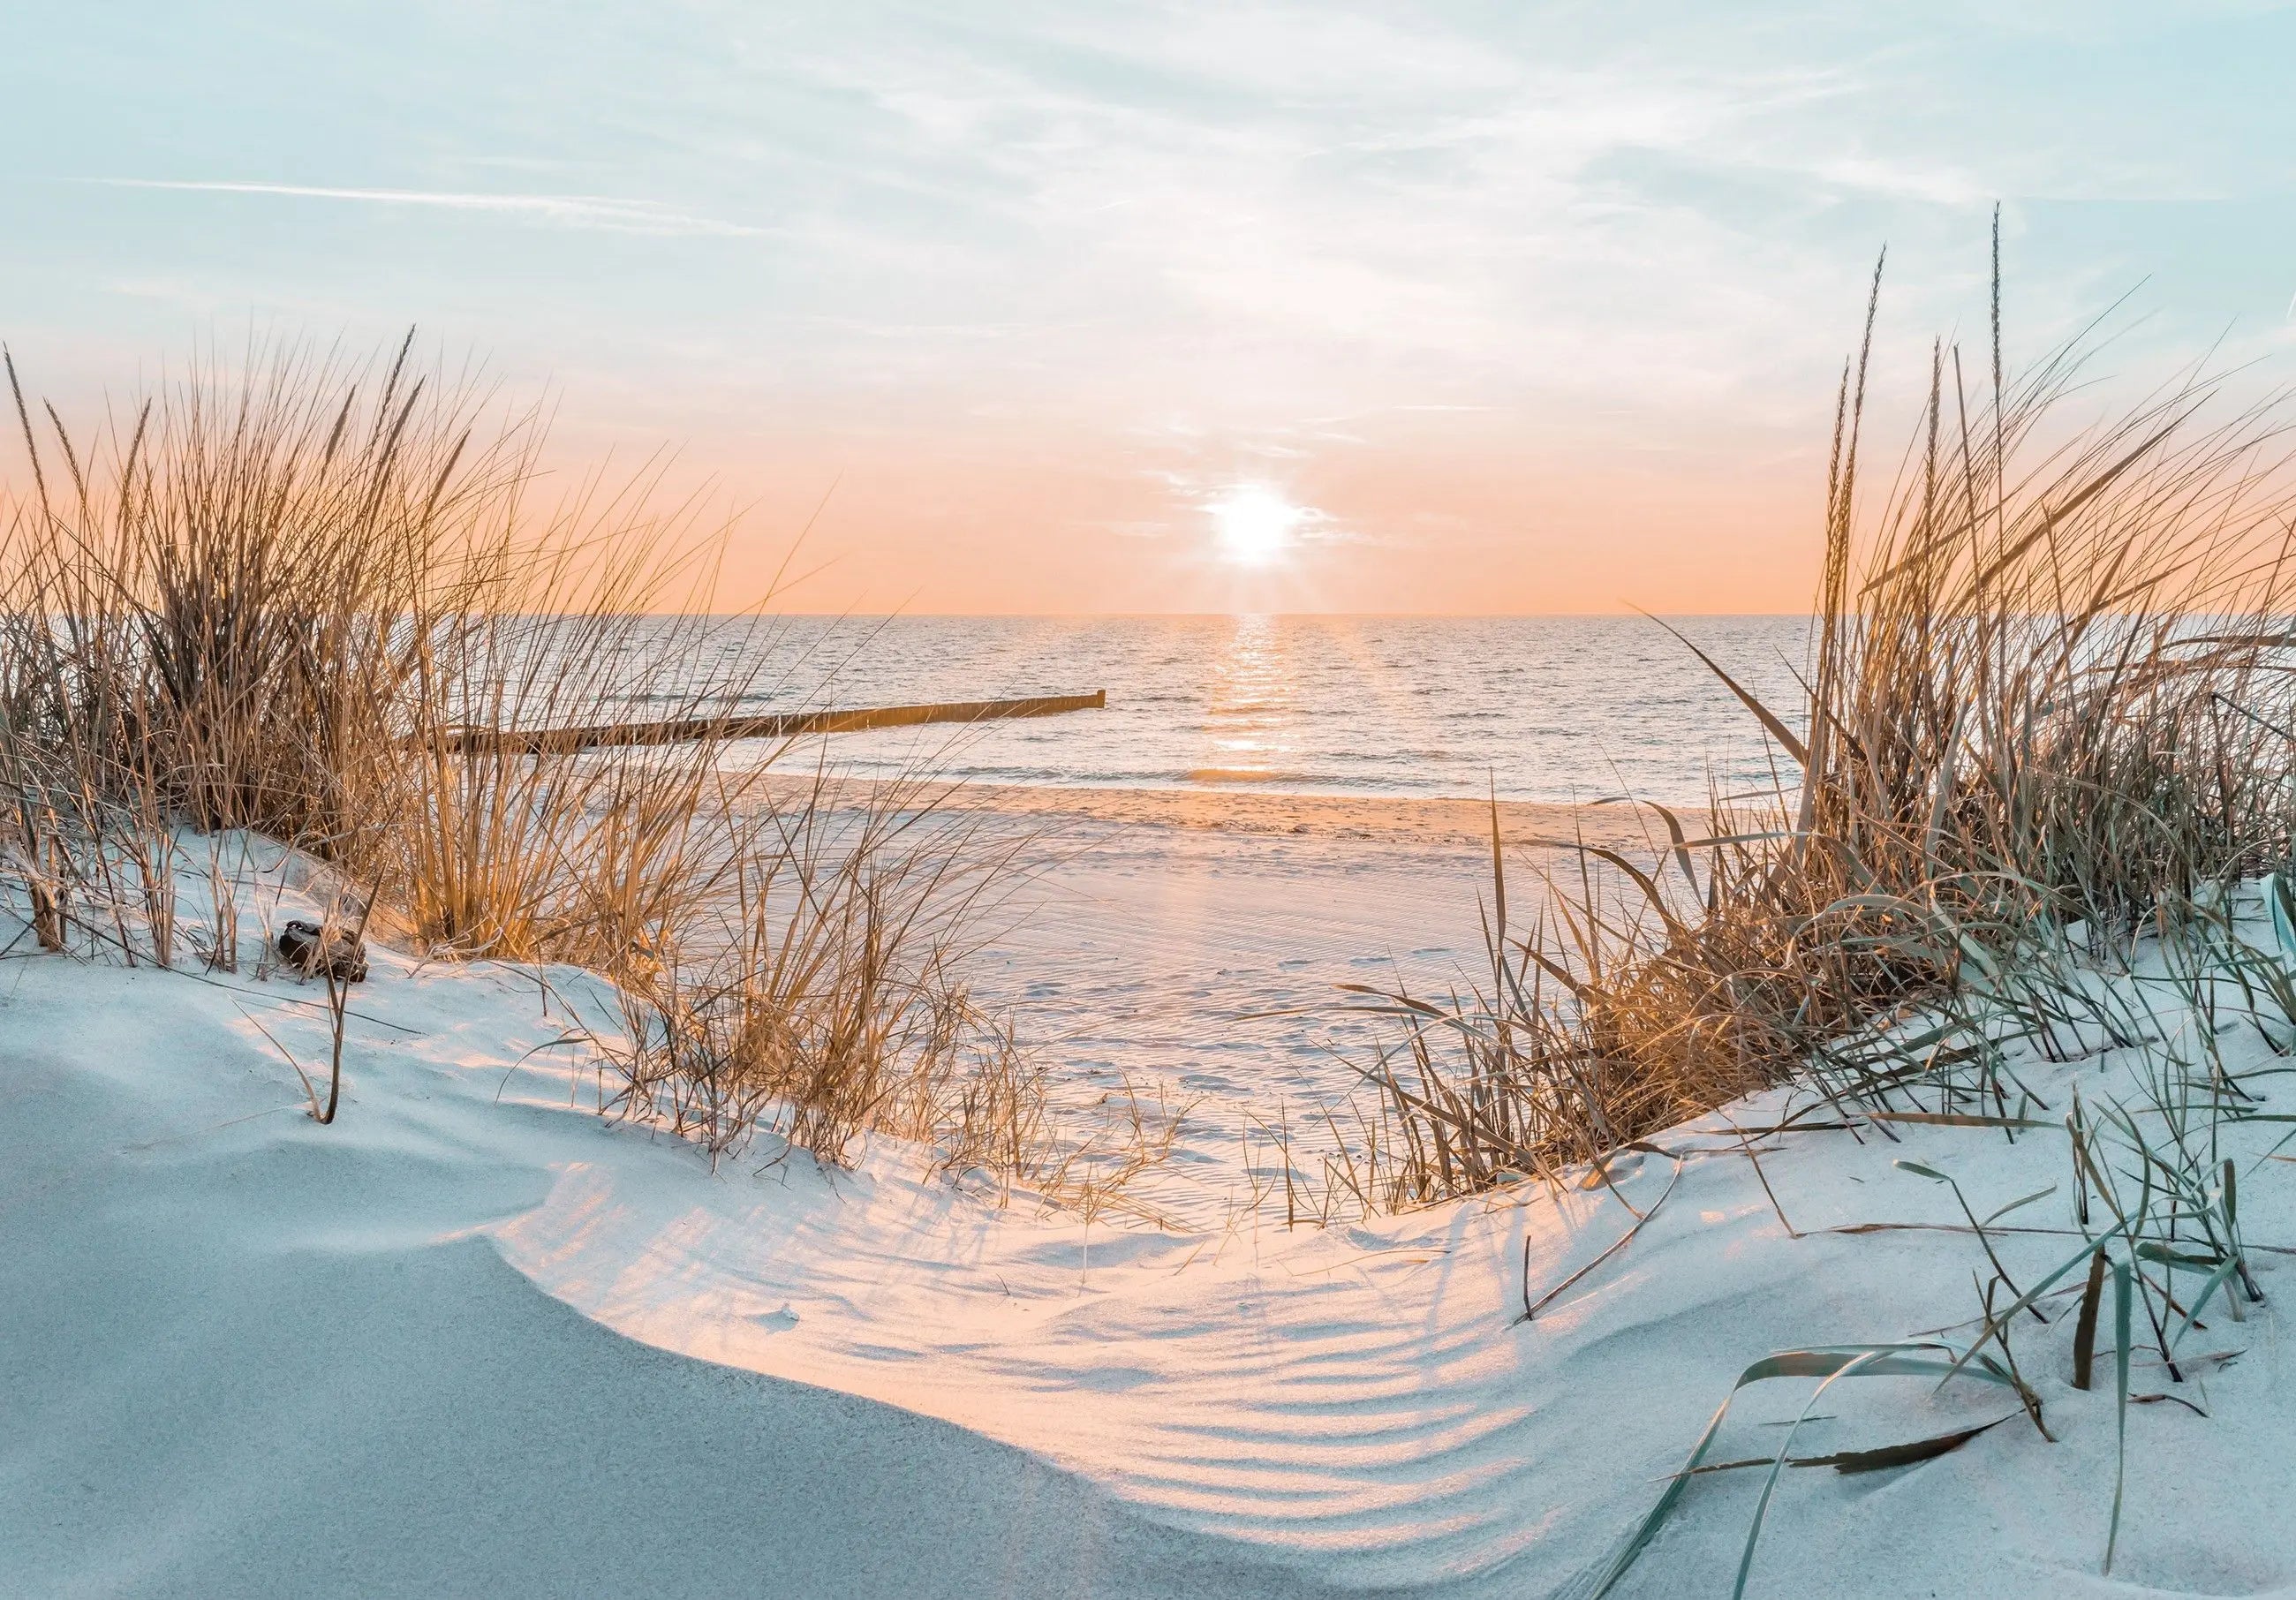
x=786, y=725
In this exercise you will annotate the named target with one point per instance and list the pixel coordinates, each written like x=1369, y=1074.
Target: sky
x=1478, y=307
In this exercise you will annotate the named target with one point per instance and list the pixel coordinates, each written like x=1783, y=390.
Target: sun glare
x=1254, y=524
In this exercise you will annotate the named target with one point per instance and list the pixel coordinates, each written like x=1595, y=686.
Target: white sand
x=242, y=1354
x=1190, y=944
x=473, y=1341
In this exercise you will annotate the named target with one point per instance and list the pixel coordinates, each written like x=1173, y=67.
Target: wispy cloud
x=594, y=212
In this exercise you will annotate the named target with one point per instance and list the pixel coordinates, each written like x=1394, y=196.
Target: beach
x=472, y=1337
x=1257, y=878
x=1189, y=943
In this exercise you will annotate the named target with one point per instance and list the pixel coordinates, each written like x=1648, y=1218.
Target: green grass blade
x=2121, y=1310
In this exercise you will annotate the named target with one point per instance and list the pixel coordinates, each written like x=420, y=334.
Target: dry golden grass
x=814, y=993
x=273, y=598
x=2047, y=691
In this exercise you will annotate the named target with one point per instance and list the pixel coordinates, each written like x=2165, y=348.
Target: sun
x=1254, y=524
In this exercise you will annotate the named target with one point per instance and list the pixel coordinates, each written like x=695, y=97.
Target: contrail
x=568, y=210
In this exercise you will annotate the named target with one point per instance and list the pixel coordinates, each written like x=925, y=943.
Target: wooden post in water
x=565, y=741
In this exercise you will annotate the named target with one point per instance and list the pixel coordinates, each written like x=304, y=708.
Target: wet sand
x=1415, y=820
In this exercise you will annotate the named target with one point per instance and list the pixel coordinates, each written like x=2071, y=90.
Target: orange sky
x=1449, y=515
x=1492, y=309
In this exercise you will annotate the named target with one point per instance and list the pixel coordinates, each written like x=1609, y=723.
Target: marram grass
x=274, y=595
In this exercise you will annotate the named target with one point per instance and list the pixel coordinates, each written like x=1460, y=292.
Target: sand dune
x=471, y=1340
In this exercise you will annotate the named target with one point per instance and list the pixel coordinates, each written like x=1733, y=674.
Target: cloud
x=592, y=211
x=1233, y=222
x=1254, y=214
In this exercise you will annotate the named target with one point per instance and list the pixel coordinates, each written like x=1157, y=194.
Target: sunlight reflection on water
x=1204, y=963
x=1545, y=708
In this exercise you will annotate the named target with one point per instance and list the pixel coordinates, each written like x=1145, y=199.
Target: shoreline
x=1424, y=820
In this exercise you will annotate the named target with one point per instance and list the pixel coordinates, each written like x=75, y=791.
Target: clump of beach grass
x=805, y=1011
x=2153, y=1176
x=2046, y=740
x=2047, y=699
x=820, y=998
x=308, y=599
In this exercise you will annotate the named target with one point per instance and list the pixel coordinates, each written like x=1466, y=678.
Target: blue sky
x=1045, y=283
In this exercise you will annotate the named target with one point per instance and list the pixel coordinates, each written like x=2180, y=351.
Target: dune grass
x=274, y=594
x=824, y=1004
x=2049, y=734
x=2047, y=697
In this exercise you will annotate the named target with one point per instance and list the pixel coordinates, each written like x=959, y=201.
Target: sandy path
x=1191, y=944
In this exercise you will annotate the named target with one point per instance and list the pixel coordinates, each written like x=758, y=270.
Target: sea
x=1551, y=709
